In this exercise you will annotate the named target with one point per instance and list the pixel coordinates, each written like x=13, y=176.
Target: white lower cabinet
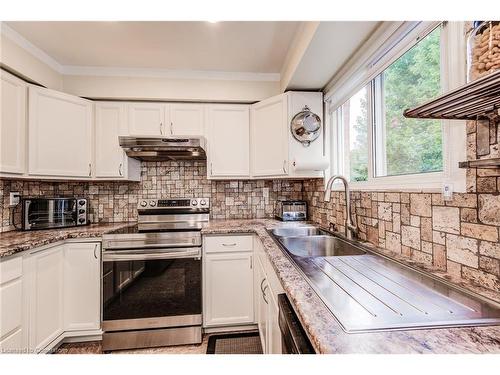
x=261, y=304
x=12, y=328
x=228, y=298
x=48, y=294
x=240, y=287
x=266, y=300
x=44, y=290
x=82, y=286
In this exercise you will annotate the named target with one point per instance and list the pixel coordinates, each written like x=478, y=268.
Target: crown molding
x=29, y=47
x=73, y=70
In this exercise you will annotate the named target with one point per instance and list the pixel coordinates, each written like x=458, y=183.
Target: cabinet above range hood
x=151, y=148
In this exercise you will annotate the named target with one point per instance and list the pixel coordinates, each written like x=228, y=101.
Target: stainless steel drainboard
x=370, y=293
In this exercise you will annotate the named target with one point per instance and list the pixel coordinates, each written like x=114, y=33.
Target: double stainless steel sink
x=368, y=292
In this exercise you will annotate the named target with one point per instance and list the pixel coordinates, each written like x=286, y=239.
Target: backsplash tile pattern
x=117, y=201
x=460, y=237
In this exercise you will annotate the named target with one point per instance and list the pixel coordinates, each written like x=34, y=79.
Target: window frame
x=453, y=132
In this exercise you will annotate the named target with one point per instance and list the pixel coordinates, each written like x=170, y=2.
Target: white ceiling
x=256, y=47
x=332, y=45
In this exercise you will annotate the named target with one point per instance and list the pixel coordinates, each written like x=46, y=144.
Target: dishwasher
x=293, y=338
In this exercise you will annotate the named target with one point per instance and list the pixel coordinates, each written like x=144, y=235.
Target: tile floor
x=94, y=347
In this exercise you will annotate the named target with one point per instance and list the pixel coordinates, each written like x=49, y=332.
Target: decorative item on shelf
x=483, y=49
x=305, y=126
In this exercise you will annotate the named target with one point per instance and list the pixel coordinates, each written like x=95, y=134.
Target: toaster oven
x=52, y=213
x=291, y=210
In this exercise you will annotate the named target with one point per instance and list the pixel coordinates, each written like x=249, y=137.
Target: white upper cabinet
x=274, y=151
x=312, y=153
x=228, y=141
x=60, y=134
x=110, y=159
x=187, y=119
x=13, y=125
x=148, y=119
x=268, y=139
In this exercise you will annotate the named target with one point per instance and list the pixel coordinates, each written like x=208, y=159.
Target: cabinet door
x=228, y=139
x=261, y=303
x=228, y=291
x=110, y=122
x=11, y=306
x=60, y=134
x=269, y=138
x=13, y=124
x=187, y=119
x=148, y=119
x=273, y=329
x=46, y=296
x=82, y=286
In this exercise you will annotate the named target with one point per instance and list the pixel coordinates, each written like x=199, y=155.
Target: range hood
x=151, y=148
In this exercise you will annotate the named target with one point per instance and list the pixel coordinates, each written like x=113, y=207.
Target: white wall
x=153, y=88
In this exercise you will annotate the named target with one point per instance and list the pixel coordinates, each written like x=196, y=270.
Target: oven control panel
x=174, y=203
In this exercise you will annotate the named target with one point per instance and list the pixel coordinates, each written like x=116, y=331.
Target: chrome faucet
x=350, y=228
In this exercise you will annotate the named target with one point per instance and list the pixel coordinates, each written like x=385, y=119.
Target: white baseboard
x=242, y=328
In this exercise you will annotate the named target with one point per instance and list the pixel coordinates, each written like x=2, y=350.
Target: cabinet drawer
x=221, y=244
x=11, y=297
x=10, y=269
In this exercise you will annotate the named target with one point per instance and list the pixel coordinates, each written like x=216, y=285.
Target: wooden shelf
x=477, y=99
x=480, y=163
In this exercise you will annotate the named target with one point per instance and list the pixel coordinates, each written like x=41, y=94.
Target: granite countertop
x=14, y=242
x=323, y=330
x=325, y=333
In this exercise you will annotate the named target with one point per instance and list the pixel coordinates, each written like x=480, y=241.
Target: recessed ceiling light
x=212, y=21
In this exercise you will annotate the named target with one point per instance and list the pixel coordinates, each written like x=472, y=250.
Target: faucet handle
x=331, y=227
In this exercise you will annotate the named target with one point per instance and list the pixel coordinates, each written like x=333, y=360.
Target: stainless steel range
x=151, y=276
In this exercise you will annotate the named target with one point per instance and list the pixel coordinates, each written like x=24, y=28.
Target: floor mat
x=235, y=343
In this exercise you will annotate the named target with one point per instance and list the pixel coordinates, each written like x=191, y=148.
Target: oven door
x=153, y=288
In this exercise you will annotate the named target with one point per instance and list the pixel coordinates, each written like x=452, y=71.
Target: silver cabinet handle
x=171, y=128
x=120, y=169
x=161, y=128
x=211, y=170
x=264, y=294
x=251, y=262
x=95, y=250
x=284, y=166
x=229, y=244
x=261, y=283
x=90, y=170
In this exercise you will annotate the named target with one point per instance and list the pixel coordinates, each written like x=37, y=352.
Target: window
x=408, y=146
x=374, y=145
x=353, y=115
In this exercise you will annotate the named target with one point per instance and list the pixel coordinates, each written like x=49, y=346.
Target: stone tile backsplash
x=458, y=237
x=117, y=201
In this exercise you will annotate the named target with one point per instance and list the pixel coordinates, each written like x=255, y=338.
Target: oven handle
x=124, y=255
x=130, y=245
